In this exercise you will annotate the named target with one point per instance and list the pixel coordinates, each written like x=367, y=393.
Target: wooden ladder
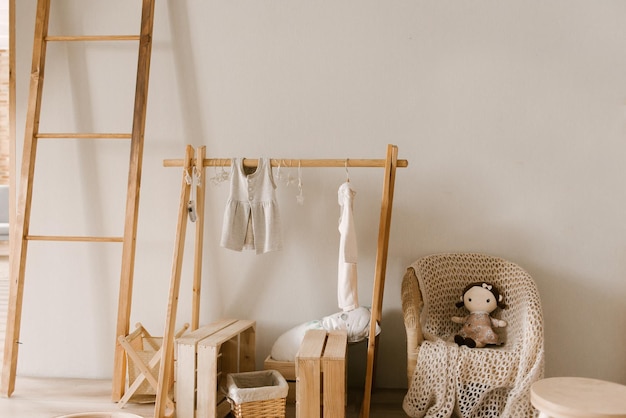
x=20, y=231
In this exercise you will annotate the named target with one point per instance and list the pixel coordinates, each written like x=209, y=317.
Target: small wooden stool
x=570, y=397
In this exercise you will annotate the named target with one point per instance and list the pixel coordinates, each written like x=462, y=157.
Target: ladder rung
x=83, y=136
x=73, y=239
x=93, y=38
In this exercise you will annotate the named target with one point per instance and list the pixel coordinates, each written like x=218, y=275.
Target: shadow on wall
x=186, y=77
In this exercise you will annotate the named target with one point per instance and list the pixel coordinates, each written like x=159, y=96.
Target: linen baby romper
x=251, y=217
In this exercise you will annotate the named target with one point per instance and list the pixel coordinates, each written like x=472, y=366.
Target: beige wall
x=4, y=92
x=4, y=117
x=511, y=115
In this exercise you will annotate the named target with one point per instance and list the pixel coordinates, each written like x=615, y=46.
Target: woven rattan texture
x=473, y=382
x=270, y=408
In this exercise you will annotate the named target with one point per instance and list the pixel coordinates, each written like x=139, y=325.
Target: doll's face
x=479, y=299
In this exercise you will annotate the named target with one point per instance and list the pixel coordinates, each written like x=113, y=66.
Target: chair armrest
x=411, y=308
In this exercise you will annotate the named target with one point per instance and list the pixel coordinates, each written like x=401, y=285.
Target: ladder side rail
x=18, y=252
x=132, y=197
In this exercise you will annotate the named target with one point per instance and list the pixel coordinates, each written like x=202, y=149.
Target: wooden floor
x=49, y=398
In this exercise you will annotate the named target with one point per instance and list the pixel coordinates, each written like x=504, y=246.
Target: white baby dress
x=251, y=217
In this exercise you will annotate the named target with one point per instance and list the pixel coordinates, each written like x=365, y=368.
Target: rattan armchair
x=445, y=377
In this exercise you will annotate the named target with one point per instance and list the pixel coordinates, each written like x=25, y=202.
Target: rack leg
x=379, y=276
x=167, y=357
x=197, y=257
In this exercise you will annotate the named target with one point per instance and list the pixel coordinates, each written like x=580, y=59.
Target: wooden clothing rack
x=198, y=165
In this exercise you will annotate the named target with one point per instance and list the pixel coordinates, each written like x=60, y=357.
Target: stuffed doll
x=480, y=299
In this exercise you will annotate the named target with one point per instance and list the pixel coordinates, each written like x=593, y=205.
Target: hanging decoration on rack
x=193, y=181
x=220, y=175
x=300, y=196
x=289, y=179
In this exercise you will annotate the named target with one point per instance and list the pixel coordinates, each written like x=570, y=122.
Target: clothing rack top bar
x=291, y=163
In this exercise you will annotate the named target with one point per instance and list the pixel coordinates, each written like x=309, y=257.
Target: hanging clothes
x=251, y=217
x=347, y=291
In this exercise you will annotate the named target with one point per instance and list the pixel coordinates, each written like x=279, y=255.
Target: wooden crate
x=203, y=358
x=288, y=370
x=321, y=366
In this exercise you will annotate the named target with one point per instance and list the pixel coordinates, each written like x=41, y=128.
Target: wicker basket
x=260, y=394
x=260, y=409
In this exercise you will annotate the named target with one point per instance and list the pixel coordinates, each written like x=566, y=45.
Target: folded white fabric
x=356, y=322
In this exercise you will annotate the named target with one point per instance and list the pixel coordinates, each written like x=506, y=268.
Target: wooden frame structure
x=20, y=231
x=188, y=163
